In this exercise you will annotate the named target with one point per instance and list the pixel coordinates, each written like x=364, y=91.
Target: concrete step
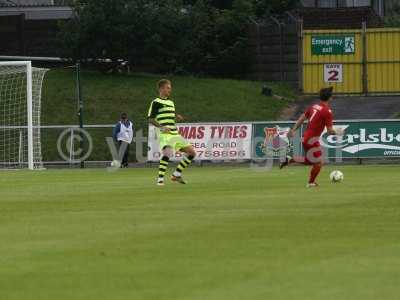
x=380, y=107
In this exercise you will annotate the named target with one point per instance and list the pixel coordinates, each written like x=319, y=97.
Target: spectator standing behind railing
x=123, y=135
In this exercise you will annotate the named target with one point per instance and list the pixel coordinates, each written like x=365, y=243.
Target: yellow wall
x=383, y=62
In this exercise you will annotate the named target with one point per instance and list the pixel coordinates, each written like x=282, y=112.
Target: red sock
x=314, y=172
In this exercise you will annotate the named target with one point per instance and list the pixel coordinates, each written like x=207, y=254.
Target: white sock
x=160, y=179
x=177, y=174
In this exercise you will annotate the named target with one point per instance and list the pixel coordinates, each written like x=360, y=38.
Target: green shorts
x=175, y=141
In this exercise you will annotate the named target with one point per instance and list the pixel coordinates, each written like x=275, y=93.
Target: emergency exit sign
x=332, y=44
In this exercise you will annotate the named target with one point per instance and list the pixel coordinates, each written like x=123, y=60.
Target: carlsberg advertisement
x=365, y=139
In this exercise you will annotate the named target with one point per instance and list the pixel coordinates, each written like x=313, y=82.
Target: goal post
x=29, y=113
x=20, y=107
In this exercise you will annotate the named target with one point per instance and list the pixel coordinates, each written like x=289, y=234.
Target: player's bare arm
x=296, y=126
x=180, y=118
x=333, y=131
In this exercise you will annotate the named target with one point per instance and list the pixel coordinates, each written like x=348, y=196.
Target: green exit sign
x=332, y=44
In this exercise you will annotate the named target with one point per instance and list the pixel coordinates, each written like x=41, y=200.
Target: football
x=336, y=176
x=115, y=164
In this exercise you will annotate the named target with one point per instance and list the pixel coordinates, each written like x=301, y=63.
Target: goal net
x=20, y=104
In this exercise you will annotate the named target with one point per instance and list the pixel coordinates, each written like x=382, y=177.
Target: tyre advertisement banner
x=211, y=141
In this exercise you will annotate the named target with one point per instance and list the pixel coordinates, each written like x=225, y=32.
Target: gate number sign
x=333, y=73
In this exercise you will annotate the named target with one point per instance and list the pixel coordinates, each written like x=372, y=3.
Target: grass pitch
x=229, y=234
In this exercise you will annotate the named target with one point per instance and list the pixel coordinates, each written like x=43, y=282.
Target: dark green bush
x=173, y=36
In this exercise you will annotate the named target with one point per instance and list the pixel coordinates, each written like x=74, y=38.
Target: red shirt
x=319, y=116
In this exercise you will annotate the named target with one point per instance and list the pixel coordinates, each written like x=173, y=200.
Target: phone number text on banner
x=219, y=141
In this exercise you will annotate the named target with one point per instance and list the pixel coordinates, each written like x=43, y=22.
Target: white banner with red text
x=211, y=141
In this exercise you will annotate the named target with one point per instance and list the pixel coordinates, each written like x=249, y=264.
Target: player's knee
x=167, y=151
x=192, y=154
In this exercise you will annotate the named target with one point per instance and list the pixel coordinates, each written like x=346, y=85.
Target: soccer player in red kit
x=319, y=116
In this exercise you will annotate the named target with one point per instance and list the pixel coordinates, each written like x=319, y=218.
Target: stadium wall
x=226, y=142
x=275, y=48
x=363, y=139
x=363, y=61
x=21, y=36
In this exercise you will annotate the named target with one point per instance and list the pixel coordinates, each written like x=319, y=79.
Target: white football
x=115, y=164
x=336, y=176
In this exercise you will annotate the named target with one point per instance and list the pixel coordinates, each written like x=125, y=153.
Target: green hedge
x=173, y=36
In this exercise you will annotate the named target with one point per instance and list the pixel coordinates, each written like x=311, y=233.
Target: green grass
x=232, y=233
x=200, y=99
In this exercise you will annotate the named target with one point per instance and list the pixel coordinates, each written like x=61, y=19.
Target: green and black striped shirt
x=163, y=111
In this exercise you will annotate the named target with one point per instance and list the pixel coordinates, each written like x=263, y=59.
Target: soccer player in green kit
x=162, y=115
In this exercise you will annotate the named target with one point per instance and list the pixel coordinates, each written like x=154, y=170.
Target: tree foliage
x=193, y=36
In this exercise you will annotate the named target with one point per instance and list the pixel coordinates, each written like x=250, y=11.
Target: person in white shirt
x=123, y=135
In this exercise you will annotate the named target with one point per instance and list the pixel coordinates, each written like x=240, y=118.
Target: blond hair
x=161, y=83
